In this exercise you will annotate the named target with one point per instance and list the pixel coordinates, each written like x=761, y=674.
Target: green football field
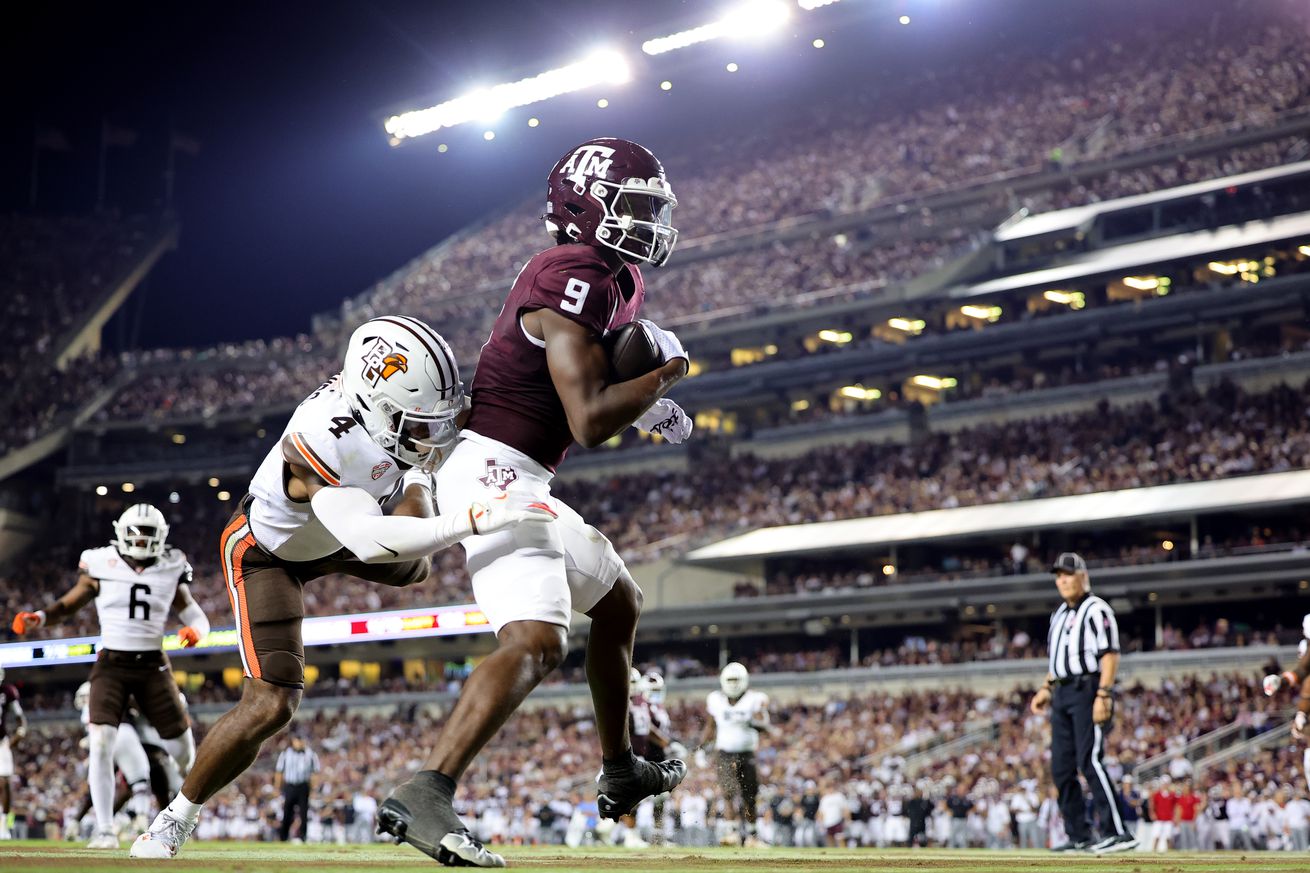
x=274, y=858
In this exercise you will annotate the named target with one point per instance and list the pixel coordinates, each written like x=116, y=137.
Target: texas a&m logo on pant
x=498, y=475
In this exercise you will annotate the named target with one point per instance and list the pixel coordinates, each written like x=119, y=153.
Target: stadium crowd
x=1150, y=89
x=1184, y=437
x=52, y=272
x=860, y=749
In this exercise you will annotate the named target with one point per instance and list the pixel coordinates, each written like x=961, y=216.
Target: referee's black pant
x=1077, y=743
x=294, y=796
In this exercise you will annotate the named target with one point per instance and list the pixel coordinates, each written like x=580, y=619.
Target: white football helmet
x=654, y=683
x=401, y=380
x=140, y=532
x=82, y=696
x=635, y=683
x=734, y=680
x=1305, y=626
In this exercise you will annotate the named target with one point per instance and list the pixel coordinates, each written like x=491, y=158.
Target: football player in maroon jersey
x=541, y=385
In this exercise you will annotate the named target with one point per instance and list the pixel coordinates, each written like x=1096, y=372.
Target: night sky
x=296, y=200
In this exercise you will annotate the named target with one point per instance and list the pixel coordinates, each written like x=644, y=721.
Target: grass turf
x=281, y=858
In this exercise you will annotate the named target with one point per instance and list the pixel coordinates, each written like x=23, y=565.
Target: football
x=632, y=352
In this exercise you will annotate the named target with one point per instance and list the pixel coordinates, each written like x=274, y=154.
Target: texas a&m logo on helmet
x=589, y=159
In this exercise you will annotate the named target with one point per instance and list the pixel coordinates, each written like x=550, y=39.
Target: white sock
x=184, y=809
x=100, y=773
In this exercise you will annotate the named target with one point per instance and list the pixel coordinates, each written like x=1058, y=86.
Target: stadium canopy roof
x=1130, y=258
x=1077, y=216
x=1155, y=502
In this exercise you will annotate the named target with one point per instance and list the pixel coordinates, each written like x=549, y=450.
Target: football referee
x=294, y=775
x=1083, y=646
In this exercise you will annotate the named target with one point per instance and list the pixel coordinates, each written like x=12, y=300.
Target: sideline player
x=371, y=433
x=1297, y=678
x=542, y=384
x=737, y=718
x=135, y=583
x=10, y=708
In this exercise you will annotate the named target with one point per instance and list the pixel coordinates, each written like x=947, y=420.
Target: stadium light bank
x=749, y=20
x=605, y=67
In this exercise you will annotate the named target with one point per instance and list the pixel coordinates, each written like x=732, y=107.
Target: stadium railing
x=1262, y=740
x=1194, y=749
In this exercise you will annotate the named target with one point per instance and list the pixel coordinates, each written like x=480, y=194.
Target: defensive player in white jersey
x=135, y=583
x=738, y=717
x=12, y=720
x=1298, y=679
x=371, y=435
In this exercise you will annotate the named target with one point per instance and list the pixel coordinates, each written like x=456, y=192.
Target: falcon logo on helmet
x=613, y=193
x=408, y=393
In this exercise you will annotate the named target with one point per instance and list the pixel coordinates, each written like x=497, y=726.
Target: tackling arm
x=579, y=368
x=411, y=531
x=77, y=597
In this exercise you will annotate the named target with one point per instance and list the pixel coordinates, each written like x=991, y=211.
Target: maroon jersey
x=514, y=399
x=8, y=697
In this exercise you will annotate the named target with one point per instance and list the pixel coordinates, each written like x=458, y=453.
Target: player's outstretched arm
x=195, y=624
x=579, y=368
x=355, y=519
x=77, y=597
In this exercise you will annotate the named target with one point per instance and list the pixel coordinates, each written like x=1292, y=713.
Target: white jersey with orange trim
x=733, y=718
x=332, y=443
x=133, y=603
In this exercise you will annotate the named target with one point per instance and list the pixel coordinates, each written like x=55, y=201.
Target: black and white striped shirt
x=297, y=767
x=1079, y=636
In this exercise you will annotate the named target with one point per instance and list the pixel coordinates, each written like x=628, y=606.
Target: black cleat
x=423, y=817
x=1073, y=846
x=619, y=793
x=1124, y=842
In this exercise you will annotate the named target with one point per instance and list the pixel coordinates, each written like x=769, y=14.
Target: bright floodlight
x=605, y=67
x=755, y=19
x=488, y=135
x=666, y=85
x=602, y=103
x=750, y=19
x=731, y=68
x=905, y=19
x=818, y=43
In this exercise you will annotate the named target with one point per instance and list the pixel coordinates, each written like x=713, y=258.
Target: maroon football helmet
x=612, y=192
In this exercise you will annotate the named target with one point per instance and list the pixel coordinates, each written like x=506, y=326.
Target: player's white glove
x=669, y=345
x=415, y=476
x=702, y=760
x=667, y=419
x=1298, y=725
x=507, y=510
x=676, y=750
x=1272, y=683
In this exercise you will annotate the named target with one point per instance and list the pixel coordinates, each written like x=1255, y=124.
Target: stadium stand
x=873, y=747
